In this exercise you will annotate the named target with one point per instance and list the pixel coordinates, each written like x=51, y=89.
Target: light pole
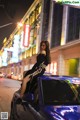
x=19, y=24
x=2, y=26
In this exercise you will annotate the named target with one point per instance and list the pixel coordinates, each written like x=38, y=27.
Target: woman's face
x=43, y=46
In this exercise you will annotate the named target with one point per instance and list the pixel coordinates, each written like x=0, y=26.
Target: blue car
x=50, y=98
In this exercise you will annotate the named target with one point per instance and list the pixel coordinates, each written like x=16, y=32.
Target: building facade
x=45, y=20
x=61, y=27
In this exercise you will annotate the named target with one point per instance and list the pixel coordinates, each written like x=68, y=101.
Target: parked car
x=1, y=75
x=9, y=75
x=49, y=98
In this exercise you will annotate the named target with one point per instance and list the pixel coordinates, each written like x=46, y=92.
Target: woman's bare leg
x=24, y=84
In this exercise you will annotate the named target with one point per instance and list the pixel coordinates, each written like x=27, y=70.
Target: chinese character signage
x=26, y=35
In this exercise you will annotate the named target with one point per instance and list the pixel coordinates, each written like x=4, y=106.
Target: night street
x=40, y=60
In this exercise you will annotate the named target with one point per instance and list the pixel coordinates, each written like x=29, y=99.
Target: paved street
x=7, y=88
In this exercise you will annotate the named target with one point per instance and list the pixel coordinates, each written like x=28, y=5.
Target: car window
x=77, y=87
x=58, y=92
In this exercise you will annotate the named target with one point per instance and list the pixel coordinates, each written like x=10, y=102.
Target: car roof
x=70, y=79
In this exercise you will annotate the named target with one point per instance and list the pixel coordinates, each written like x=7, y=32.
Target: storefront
x=73, y=67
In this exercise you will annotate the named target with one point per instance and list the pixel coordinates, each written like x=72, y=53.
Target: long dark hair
x=47, y=50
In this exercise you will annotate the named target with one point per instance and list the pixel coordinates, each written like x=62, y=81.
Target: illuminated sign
x=15, y=53
x=53, y=68
x=4, y=58
x=21, y=42
x=75, y=3
x=26, y=35
x=9, y=49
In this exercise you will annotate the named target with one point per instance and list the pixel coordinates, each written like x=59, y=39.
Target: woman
x=43, y=59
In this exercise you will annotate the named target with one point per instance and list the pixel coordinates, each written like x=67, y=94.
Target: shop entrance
x=73, y=67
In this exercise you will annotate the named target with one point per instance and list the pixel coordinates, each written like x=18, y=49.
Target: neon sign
x=26, y=35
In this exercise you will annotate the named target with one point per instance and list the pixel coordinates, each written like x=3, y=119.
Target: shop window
x=53, y=68
x=73, y=24
x=22, y=56
x=25, y=54
x=31, y=36
x=73, y=67
x=33, y=17
x=30, y=19
x=34, y=50
x=37, y=11
x=28, y=53
x=35, y=34
x=57, y=25
x=27, y=21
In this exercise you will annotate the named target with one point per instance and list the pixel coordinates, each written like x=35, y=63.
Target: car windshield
x=56, y=92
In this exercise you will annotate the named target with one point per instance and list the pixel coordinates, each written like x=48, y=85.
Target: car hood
x=63, y=112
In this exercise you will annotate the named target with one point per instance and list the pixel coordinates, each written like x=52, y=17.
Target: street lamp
x=19, y=24
x=2, y=26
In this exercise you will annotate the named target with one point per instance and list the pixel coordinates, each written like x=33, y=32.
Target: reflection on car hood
x=63, y=112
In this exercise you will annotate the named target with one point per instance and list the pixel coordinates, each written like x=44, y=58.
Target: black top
x=39, y=66
x=41, y=58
